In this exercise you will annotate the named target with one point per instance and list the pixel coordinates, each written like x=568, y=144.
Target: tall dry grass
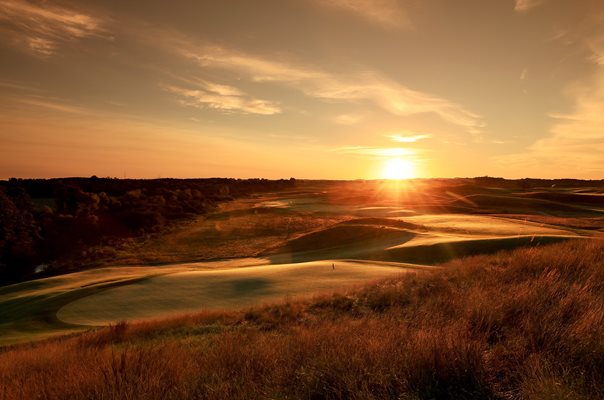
x=527, y=324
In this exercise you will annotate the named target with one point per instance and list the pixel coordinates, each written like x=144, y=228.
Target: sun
x=397, y=168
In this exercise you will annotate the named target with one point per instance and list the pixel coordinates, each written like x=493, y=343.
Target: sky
x=318, y=89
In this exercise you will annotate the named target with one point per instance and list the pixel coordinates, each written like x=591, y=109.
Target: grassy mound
x=70, y=303
x=340, y=241
x=445, y=251
x=28, y=309
x=346, y=236
x=424, y=239
x=527, y=324
x=231, y=288
x=392, y=223
x=566, y=197
x=523, y=205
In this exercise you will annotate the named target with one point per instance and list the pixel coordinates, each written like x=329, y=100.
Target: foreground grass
x=526, y=324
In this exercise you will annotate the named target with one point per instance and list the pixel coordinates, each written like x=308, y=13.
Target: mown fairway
x=319, y=238
x=223, y=289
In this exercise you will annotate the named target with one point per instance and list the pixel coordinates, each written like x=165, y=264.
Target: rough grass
x=245, y=233
x=526, y=324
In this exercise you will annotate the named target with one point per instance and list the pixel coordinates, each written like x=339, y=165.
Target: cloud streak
x=381, y=152
x=575, y=143
x=523, y=6
x=43, y=28
x=51, y=104
x=223, y=98
x=257, y=68
x=363, y=87
x=412, y=138
x=347, y=119
x=384, y=13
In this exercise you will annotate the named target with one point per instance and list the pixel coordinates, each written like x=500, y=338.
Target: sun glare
x=397, y=168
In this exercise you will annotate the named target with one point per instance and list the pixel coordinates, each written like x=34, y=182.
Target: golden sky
x=338, y=89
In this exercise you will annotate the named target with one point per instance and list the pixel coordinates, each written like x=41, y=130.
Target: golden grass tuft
x=525, y=324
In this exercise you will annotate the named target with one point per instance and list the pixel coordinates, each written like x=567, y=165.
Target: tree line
x=44, y=220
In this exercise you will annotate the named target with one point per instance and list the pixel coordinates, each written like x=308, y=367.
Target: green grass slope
x=423, y=239
x=300, y=266
x=526, y=324
x=72, y=302
x=28, y=310
x=489, y=204
x=222, y=289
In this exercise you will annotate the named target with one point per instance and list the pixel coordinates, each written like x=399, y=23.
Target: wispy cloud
x=595, y=45
x=347, y=119
x=51, y=104
x=42, y=27
x=222, y=97
x=390, y=96
x=19, y=86
x=382, y=152
x=409, y=138
x=575, y=143
x=368, y=87
x=259, y=69
x=523, y=74
x=385, y=13
x=523, y=6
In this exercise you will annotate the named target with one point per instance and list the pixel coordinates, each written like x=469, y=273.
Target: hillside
x=310, y=238
x=525, y=324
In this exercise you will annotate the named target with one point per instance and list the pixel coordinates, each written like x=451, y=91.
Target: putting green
x=195, y=290
x=483, y=226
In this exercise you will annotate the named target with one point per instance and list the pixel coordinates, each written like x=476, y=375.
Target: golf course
x=292, y=244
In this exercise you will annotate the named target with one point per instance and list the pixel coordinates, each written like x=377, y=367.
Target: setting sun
x=397, y=168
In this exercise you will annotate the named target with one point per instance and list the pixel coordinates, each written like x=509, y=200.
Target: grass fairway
x=483, y=225
x=432, y=238
x=364, y=249
x=71, y=303
x=222, y=289
x=268, y=247
x=28, y=310
x=424, y=239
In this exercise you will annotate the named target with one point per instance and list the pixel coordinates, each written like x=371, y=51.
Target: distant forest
x=43, y=220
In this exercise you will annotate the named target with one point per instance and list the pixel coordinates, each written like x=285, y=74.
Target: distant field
x=269, y=247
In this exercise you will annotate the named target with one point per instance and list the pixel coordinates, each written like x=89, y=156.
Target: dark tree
x=18, y=235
